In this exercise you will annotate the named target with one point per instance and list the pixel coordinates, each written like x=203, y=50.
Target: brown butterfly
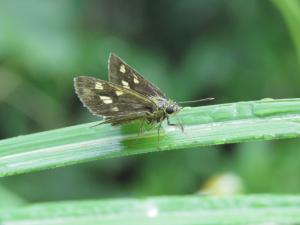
x=126, y=97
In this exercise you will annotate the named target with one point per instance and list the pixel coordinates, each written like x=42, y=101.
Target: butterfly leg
x=142, y=127
x=173, y=124
x=180, y=124
x=150, y=122
x=98, y=124
x=158, y=133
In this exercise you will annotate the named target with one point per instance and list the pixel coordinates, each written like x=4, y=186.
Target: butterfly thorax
x=165, y=108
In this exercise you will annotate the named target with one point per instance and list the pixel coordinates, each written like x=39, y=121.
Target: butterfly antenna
x=200, y=100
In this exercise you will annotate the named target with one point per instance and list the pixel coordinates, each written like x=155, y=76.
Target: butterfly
x=126, y=97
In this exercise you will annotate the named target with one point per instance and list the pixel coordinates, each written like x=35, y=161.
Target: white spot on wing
x=122, y=68
x=99, y=86
x=106, y=99
x=135, y=79
x=116, y=109
x=87, y=91
x=118, y=93
x=125, y=84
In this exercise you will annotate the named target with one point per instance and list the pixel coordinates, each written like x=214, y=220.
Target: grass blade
x=290, y=11
x=208, y=125
x=187, y=210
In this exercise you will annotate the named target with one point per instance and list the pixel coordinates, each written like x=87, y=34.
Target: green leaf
x=266, y=119
x=264, y=209
x=290, y=10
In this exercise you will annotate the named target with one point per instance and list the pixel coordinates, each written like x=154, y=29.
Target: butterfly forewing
x=122, y=74
x=116, y=103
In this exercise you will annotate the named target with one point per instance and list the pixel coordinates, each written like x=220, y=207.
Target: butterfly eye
x=169, y=110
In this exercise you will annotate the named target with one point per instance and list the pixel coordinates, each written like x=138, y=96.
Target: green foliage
x=290, y=11
x=231, y=50
x=163, y=210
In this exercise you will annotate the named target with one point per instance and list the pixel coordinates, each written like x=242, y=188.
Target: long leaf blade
x=208, y=125
x=186, y=210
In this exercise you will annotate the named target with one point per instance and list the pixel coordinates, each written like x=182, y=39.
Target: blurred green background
x=231, y=50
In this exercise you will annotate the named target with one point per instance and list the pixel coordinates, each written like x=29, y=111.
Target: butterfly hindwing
x=112, y=101
x=122, y=74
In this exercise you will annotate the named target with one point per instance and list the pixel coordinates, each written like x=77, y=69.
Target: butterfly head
x=172, y=108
